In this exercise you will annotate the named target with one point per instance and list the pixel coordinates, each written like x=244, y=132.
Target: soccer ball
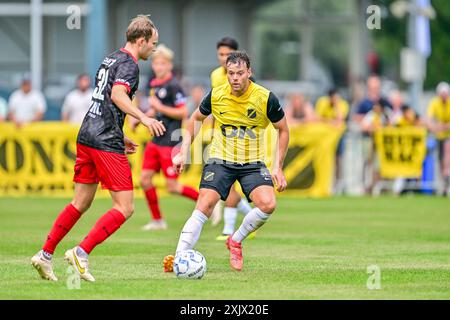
x=189, y=264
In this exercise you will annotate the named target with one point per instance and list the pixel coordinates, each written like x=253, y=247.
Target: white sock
x=191, y=231
x=243, y=206
x=252, y=221
x=229, y=218
x=81, y=252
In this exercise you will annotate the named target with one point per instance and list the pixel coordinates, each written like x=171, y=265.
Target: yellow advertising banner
x=38, y=158
x=401, y=151
x=310, y=161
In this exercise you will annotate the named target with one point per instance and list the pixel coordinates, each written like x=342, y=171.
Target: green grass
x=309, y=249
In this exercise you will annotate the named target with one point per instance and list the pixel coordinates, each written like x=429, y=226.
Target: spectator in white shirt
x=26, y=105
x=78, y=101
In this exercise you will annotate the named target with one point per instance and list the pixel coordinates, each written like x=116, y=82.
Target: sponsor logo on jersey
x=161, y=93
x=109, y=62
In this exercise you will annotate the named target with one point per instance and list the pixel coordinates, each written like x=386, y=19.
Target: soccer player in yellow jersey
x=242, y=110
x=234, y=202
x=224, y=47
x=438, y=122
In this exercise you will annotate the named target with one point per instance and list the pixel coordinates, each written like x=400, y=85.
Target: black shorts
x=220, y=176
x=441, y=144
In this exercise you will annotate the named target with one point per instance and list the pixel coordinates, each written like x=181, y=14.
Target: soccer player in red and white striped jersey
x=102, y=149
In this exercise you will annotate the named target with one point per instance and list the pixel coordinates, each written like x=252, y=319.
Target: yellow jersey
x=404, y=122
x=326, y=111
x=218, y=77
x=440, y=112
x=240, y=122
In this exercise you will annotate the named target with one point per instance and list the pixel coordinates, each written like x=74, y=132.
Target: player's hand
x=178, y=162
x=130, y=146
x=279, y=180
x=155, y=127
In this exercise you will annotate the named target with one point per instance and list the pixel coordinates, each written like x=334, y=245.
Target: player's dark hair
x=332, y=92
x=239, y=56
x=140, y=26
x=228, y=42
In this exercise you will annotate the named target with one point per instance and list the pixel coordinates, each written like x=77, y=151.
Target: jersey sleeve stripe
x=180, y=105
x=122, y=84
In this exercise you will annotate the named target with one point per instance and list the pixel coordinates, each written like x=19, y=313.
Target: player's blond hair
x=164, y=52
x=140, y=26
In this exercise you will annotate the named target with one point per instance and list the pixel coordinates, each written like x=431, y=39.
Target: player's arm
x=276, y=115
x=177, y=113
x=119, y=97
x=283, y=142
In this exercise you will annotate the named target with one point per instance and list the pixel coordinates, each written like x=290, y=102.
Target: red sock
x=152, y=202
x=104, y=227
x=190, y=193
x=63, y=223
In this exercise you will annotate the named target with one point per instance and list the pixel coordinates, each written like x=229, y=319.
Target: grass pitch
x=309, y=249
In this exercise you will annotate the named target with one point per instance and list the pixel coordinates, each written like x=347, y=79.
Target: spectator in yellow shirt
x=299, y=110
x=438, y=122
x=334, y=110
x=409, y=118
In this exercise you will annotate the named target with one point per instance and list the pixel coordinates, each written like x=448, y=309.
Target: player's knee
x=127, y=211
x=233, y=199
x=267, y=205
x=173, y=187
x=82, y=206
x=206, y=207
x=146, y=181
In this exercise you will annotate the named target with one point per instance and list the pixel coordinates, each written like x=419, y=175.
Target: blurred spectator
x=370, y=115
x=397, y=103
x=334, y=110
x=78, y=101
x=299, y=110
x=408, y=118
x=438, y=122
x=3, y=110
x=374, y=120
x=26, y=105
x=196, y=96
x=373, y=97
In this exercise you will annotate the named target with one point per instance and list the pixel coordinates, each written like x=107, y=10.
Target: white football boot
x=81, y=265
x=43, y=266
